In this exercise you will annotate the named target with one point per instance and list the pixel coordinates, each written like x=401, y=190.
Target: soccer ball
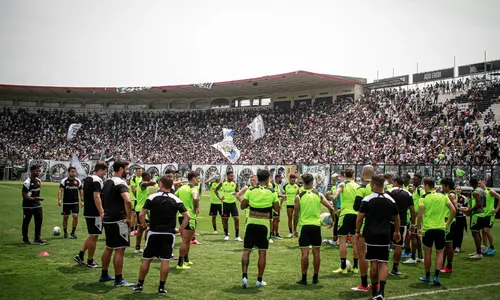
x=56, y=231
x=484, y=249
x=348, y=265
x=325, y=219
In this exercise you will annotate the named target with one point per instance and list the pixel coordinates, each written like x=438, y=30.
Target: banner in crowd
x=58, y=170
x=478, y=68
x=73, y=131
x=321, y=175
x=124, y=90
x=433, y=75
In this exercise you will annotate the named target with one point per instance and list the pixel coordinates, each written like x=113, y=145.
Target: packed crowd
x=399, y=126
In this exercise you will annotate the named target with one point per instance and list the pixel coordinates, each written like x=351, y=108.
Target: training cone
x=44, y=253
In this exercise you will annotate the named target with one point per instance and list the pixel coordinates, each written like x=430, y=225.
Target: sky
x=146, y=43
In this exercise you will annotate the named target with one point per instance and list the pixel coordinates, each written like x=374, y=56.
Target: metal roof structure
x=266, y=85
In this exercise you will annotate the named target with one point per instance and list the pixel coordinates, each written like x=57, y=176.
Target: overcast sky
x=144, y=43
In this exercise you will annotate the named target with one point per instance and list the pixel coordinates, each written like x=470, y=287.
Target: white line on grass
x=444, y=291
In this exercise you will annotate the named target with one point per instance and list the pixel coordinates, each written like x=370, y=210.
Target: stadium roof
x=266, y=85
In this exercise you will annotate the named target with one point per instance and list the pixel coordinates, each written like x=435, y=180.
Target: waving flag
x=228, y=134
x=257, y=128
x=80, y=170
x=73, y=130
x=229, y=150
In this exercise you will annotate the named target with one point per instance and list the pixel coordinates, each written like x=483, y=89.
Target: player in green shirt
x=261, y=200
x=307, y=218
x=432, y=226
x=135, y=182
x=291, y=189
x=347, y=220
x=364, y=190
x=276, y=186
x=447, y=185
x=476, y=210
x=189, y=194
x=489, y=214
x=142, y=194
x=215, y=203
x=229, y=189
x=417, y=191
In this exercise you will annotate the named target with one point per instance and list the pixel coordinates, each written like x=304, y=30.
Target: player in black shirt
x=378, y=210
x=163, y=208
x=117, y=213
x=72, y=188
x=404, y=201
x=32, y=206
x=93, y=213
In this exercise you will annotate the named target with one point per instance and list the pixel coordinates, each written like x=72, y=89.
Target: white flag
x=73, y=130
x=228, y=134
x=229, y=150
x=257, y=128
x=80, y=171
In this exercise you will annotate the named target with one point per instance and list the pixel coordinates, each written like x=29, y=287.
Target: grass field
x=216, y=273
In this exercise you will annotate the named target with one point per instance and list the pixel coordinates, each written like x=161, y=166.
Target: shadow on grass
x=237, y=289
x=73, y=269
x=94, y=287
x=339, y=276
x=425, y=286
x=296, y=287
x=353, y=295
x=147, y=295
x=400, y=277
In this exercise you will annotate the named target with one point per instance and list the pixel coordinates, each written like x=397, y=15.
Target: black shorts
x=310, y=235
x=378, y=253
x=191, y=224
x=478, y=223
x=347, y=225
x=490, y=220
x=117, y=235
x=290, y=207
x=450, y=234
x=434, y=237
x=94, y=225
x=256, y=236
x=215, y=209
x=68, y=209
x=402, y=231
x=159, y=245
x=276, y=214
x=229, y=209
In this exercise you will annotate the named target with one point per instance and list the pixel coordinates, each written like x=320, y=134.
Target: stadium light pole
x=484, y=66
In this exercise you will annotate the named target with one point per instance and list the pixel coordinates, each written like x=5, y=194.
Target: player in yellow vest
x=142, y=194
x=215, y=203
x=432, y=227
x=307, y=218
x=489, y=214
x=226, y=192
x=135, y=182
x=290, y=190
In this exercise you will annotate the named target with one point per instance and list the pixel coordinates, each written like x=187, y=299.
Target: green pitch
x=216, y=273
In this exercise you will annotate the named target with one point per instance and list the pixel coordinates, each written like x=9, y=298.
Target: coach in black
x=404, y=201
x=117, y=211
x=163, y=207
x=32, y=206
x=379, y=209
